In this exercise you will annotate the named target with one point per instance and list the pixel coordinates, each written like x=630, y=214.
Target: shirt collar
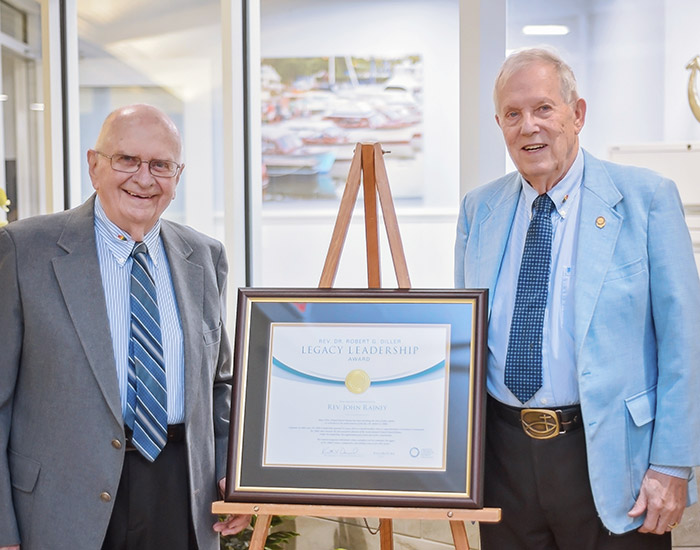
x=120, y=243
x=563, y=193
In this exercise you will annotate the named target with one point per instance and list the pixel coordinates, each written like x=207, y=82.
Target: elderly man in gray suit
x=115, y=363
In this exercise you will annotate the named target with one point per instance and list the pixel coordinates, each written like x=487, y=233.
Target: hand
x=9, y=547
x=663, y=497
x=232, y=524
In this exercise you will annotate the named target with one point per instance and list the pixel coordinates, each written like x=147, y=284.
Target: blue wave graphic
x=430, y=370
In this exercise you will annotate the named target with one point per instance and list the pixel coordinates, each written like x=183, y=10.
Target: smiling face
x=135, y=201
x=539, y=126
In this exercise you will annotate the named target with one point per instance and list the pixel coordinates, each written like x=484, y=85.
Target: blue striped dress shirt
x=114, y=248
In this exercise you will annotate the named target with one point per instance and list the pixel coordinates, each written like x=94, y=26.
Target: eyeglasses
x=129, y=164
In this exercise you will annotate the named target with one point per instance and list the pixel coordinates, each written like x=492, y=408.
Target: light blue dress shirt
x=114, y=248
x=559, y=379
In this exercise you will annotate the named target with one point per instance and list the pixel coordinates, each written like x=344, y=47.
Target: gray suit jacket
x=60, y=414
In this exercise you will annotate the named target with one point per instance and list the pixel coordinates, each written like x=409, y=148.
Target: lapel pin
x=600, y=222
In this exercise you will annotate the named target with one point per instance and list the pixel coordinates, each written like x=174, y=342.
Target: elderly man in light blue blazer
x=617, y=345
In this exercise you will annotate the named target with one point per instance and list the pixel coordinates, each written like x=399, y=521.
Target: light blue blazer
x=637, y=321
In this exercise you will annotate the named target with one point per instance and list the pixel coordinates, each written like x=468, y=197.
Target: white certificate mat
x=357, y=395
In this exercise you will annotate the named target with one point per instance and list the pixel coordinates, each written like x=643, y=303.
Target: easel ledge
x=488, y=515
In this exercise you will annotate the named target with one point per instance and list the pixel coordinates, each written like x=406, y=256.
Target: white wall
x=296, y=248
x=682, y=45
x=624, y=74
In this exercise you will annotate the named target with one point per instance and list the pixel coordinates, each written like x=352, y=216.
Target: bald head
x=127, y=119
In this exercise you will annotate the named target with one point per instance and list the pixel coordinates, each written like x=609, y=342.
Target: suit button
x=116, y=444
x=105, y=497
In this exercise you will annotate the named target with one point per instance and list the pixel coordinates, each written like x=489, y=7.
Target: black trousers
x=543, y=490
x=152, y=508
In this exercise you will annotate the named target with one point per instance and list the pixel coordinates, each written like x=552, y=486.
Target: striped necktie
x=523, y=374
x=146, y=392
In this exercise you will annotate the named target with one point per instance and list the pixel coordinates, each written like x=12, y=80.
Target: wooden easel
x=367, y=162
x=367, y=165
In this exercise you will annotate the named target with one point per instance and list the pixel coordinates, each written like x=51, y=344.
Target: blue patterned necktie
x=146, y=392
x=523, y=375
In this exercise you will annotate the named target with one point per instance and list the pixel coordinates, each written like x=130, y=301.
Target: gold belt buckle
x=540, y=423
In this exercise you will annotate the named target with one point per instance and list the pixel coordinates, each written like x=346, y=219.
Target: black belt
x=176, y=434
x=539, y=423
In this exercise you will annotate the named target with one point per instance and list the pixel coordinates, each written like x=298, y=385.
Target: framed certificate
x=367, y=397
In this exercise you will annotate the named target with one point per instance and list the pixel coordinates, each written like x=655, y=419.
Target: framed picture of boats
x=315, y=110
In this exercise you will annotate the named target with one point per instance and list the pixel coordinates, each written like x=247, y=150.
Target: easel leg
x=390, y=221
x=369, y=182
x=342, y=223
x=386, y=534
x=262, y=526
x=459, y=535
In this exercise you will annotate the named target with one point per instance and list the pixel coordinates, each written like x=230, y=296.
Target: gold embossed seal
x=357, y=381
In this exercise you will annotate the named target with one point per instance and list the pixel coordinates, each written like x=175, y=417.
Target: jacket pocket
x=212, y=341
x=641, y=409
x=24, y=471
x=626, y=270
x=211, y=336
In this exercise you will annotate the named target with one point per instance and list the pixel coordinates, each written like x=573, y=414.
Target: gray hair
x=525, y=57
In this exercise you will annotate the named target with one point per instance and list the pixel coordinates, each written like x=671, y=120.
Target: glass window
x=333, y=74
x=21, y=113
x=168, y=54
x=13, y=22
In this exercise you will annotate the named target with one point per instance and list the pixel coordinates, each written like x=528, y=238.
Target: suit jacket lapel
x=86, y=302
x=494, y=230
x=188, y=282
x=596, y=244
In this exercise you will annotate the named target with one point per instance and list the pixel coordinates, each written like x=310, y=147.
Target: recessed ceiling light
x=36, y=106
x=4, y=97
x=546, y=30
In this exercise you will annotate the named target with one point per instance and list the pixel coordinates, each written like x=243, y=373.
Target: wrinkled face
x=135, y=201
x=539, y=127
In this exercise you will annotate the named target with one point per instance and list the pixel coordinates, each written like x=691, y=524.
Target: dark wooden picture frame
x=458, y=484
